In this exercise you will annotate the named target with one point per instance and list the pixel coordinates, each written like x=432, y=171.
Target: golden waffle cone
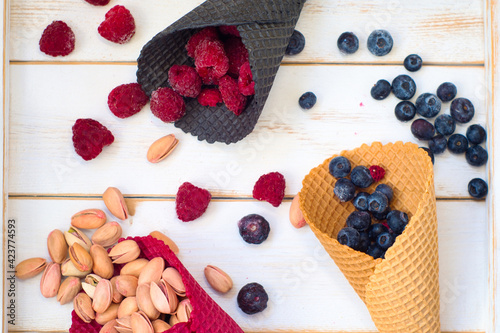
x=401, y=291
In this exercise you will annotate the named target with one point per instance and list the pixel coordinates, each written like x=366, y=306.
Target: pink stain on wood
x=361, y=104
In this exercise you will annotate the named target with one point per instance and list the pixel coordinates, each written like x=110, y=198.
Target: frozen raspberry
x=191, y=202
x=89, y=137
x=245, y=80
x=210, y=97
x=234, y=100
x=184, y=80
x=229, y=30
x=167, y=105
x=377, y=172
x=206, y=33
x=118, y=25
x=57, y=39
x=210, y=54
x=208, y=76
x=127, y=99
x=236, y=53
x=271, y=188
x=98, y=2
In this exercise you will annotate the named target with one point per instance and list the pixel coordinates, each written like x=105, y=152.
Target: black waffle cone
x=265, y=27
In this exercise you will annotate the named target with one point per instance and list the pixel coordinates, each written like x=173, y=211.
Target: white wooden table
x=45, y=182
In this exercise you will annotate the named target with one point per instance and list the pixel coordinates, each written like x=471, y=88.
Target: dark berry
x=438, y=144
x=118, y=25
x=429, y=152
x=348, y=43
x=375, y=230
x=231, y=95
x=350, y=237
x=428, y=105
x=237, y=54
x=381, y=216
x=386, y=189
x=404, y=87
x=405, y=111
x=98, y=2
x=127, y=99
x=397, y=221
x=296, y=43
x=377, y=172
x=381, y=90
x=307, y=100
x=167, y=105
x=57, y=39
x=385, y=240
x=422, y=129
x=339, y=167
x=445, y=124
x=413, y=62
x=364, y=241
x=254, y=228
x=361, y=176
x=246, y=83
x=184, y=80
x=271, y=188
x=476, y=156
x=252, y=298
x=476, y=134
x=344, y=189
x=360, y=201
x=89, y=137
x=446, y=91
x=478, y=188
x=375, y=251
x=380, y=42
x=458, y=143
x=209, y=97
x=462, y=110
x=377, y=202
x=359, y=220
x=191, y=202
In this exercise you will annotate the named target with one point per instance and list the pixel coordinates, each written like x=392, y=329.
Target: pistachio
x=117, y=297
x=102, y=262
x=165, y=239
x=51, y=279
x=83, y=307
x=111, y=313
x=80, y=258
x=296, y=217
x=68, y=289
x=125, y=252
x=126, y=285
x=160, y=326
x=103, y=296
x=127, y=307
x=29, y=268
x=88, y=219
x=123, y=325
x=134, y=267
x=57, y=246
x=108, y=234
x=69, y=269
x=141, y=323
x=161, y=148
x=88, y=289
x=163, y=297
x=184, y=310
x=144, y=302
x=218, y=279
x=172, y=276
x=173, y=320
x=152, y=271
x=113, y=199
x=75, y=235
x=109, y=327
x=92, y=279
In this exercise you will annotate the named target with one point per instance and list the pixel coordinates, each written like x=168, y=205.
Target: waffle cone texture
x=401, y=291
x=265, y=27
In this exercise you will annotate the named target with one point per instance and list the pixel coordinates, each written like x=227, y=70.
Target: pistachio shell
x=29, y=268
x=134, y=267
x=173, y=320
x=117, y=297
x=57, y=246
x=127, y=307
x=83, y=307
x=160, y=326
x=161, y=148
x=102, y=262
x=172, y=276
x=108, y=234
x=126, y=285
x=218, y=279
x=68, y=289
x=124, y=325
x=75, y=235
x=114, y=201
x=163, y=297
x=51, y=280
x=144, y=302
x=165, y=239
x=111, y=313
x=152, y=271
x=296, y=217
x=80, y=257
x=88, y=289
x=69, y=269
x=141, y=323
x=109, y=327
x=125, y=252
x=88, y=219
x=93, y=279
x=103, y=296
x=184, y=310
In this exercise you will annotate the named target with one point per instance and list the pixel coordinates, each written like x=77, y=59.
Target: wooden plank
x=442, y=31
x=302, y=281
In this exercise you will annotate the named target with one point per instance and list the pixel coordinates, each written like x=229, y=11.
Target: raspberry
x=246, y=85
x=236, y=53
x=118, y=25
x=191, y=202
x=209, y=97
x=167, y=105
x=89, y=137
x=377, y=172
x=231, y=95
x=127, y=99
x=271, y=188
x=57, y=39
x=210, y=54
x=229, y=30
x=208, y=76
x=98, y=2
x=184, y=80
x=207, y=33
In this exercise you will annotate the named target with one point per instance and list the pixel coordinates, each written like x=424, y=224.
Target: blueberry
x=478, y=188
x=307, y=100
x=445, y=124
x=381, y=90
x=458, y=143
x=476, y=134
x=385, y=189
x=296, y=43
x=380, y=42
x=429, y=152
x=376, y=229
x=364, y=241
x=403, y=87
x=385, y=240
x=446, y=91
x=361, y=177
x=397, y=221
x=422, y=129
x=381, y=216
x=348, y=43
x=359, y=220
x=339, y=167
x=375, y=251
x=462, y=110
x=476, y=156
x=360, y=201
x=252, y=298
x=405, y=111
x=428, y=105
x=254, y=228
x=377, y=202
x=350, y=237
x=344, y=189
x=413, y=62
x=438, y=144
